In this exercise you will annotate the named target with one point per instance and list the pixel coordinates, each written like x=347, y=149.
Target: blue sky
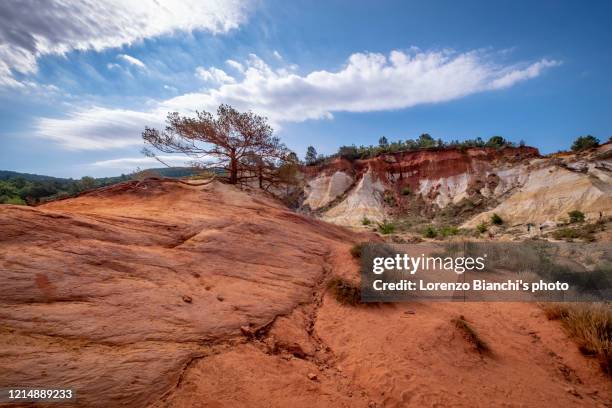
x=79, y=82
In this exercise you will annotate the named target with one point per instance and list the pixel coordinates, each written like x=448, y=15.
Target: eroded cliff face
x=517, y=183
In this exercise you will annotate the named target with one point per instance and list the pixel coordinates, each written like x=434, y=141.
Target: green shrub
x=365, y=221
x=406, y=191
x=584, y=231
x=356, y=250
x=386, y=227
x=566, y=233
x=576, y=216
x=13, y=200
x=430, y=232
x=482, y=227
x=496, y=219
x=497, y=141
x=585, y=142
x=448, y=230
x=345, y=292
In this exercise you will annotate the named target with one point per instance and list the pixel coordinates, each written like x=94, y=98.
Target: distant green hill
x=22, y=188
x=8, y=175
x=173, y=172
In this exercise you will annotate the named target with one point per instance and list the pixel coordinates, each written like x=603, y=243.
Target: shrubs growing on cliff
x=366, y=221
x=350, y=153
x=406, y=191
x=383, y=142
x=585, y=232
x=575, y=216
x=443, y=232
x=492, y=226
x=311, y=155
x=424, y=141
x=448, y=230
x=386, y=227
x=497, y=141
x=430, y=232
x=585, y=142
x=496, y=219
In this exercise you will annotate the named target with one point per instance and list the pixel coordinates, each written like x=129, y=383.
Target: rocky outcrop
x=324, y=189
x=116, y=292
x=517, y=183
x=363, y=201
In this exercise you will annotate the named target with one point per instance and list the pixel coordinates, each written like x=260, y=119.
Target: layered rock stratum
x=515, y=182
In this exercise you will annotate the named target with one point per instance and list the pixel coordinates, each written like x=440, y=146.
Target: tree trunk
x=233, y=170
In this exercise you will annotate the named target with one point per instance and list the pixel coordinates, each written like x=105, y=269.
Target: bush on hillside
x=496, y=219
x=12, y=200
x=430, y=232
x=585, y=142
x=575, y=216
x=448, y=231
x=482, y=227
x=386, y=227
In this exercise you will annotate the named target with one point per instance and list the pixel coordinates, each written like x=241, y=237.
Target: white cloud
x=215, y=75
x=31, y=28
x=517, y=75
x=277, y=55
x=367, y=82
x=131, y=60
x=131, y=162
x=236, y=65
x=98, y=128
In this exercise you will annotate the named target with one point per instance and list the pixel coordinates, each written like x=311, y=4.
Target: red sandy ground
x=168, y=295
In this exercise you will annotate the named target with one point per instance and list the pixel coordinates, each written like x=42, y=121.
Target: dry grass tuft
x=345, y=292
x=555, y=311
x=356, y=250
x=470, y=334
x=589, y=324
